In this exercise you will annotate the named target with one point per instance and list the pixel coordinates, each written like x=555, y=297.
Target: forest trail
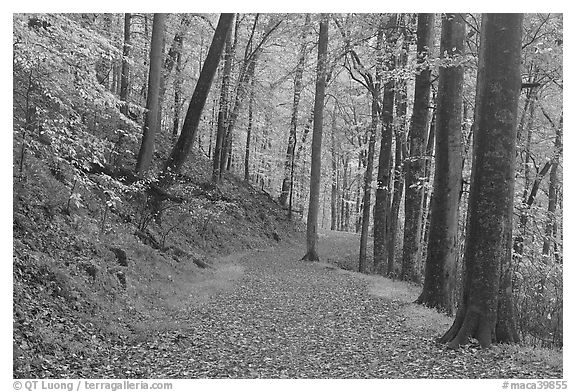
x=279, y=317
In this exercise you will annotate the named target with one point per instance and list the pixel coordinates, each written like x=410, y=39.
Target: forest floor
x=267, y=314
x=221, y=293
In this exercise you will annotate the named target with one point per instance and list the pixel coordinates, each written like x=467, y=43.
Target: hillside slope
x=90, y=265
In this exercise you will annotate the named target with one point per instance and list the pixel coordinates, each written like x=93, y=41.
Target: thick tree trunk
x=284, y=192
x=187, y=135
x=415, y=165
x=315, y=170
x=486, y=311
x=154, y=75
x=440, y=267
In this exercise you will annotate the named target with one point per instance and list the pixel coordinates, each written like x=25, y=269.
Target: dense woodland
x=436, y=137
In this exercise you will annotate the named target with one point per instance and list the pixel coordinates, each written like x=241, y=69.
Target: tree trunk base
x=311, y=256
x=430, y=301
x=469, y=325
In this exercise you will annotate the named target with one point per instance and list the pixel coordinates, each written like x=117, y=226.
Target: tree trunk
x=426, y=195
x=125, y=76
x=223, y=110
x=178, y=93
x=223, y=156
x=251, y=54
x=249, y=132
x=294, y=118
x=315, y=170
x=242, y=89
x=551, y=224
x=184, y=144
x=171, y=61
x=154, y=75
x=383, y=193
x=398, y=189
x=345, y=203
x=401, y=99
x=443, y=250
x=486, y=311
x=334, y=176
x=415, y=165
x=363, y=266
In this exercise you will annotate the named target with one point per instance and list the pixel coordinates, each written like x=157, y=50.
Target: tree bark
x=415, y=165
x=154, y=75
x=184, y=143
x=443, y=249
x=315, y=170
x=486, y=311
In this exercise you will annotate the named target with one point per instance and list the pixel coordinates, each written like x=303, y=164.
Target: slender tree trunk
x=154, y=75
x=294, y=118
x=125, y=76
x=427, y=193
x=443, y=250
x=315, y=170
x=400, y=154
x=171, y=61
x=383, y=192
x=226, y=135
x=367, y=195
x=344, y=204
x=249, y=132
x=187, y=135
x=251, y=54
x=529, y=109
x=334, y=187
x=486, y=311
x=178, y=95
x=223, y=110
x=242, y=88
x=551, y=224
x=398, y=189
x=415, y=165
